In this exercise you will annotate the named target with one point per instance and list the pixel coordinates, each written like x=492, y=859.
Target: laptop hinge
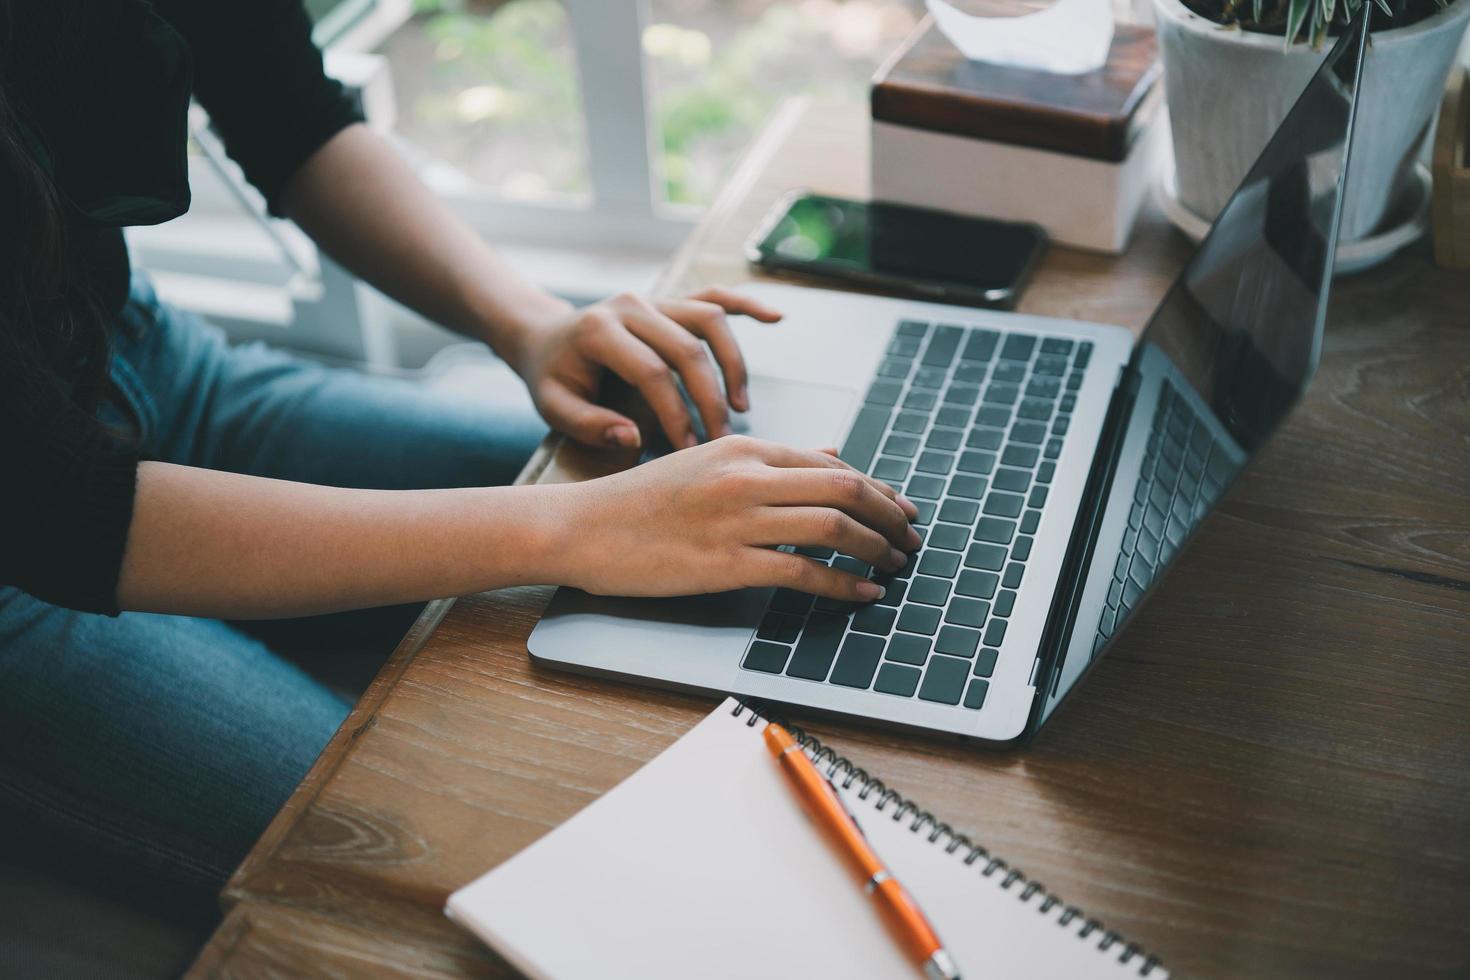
x=1068, y=596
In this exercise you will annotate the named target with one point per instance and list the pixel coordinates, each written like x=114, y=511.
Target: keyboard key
x=791, y=601
x=857, y=661
x=883, y=394
x=1084, y=354
x=929, y=487
x=899, y=445
x=909, y=562
x=1030, y=521
x=942, y=347
x=950, y=537
x=918, y=619
x=976, y=461
x=944, y=680
x=967, y=612
x=984, y=438
x=1032, y=433
x=893, y=591
x=1043, y=388
x=904, y=346
x=908, y=649
x=952, y=416
x=975, y=693
x=1061, y=425
x=766, y=657
x=1022, y=550
x=926, y=510
x=959, y=511
x=995, y=530
x=817, y=647
x=961, y=395
x=942, y=564
x=929, y=591
x=970, y=373
x=862, y=441
x=1018, y=347
x=1000, y=393
x=947, y=439
x=957, y=640
x=988, y=557
x=1011, y=479
x=1046, y=472
x=996, y=416
x=1035, y=409
x=920, y=401
x=912, y=328
x=891, y=470
x=980, y=585
x=1132, y=594
x=985, y=662
x=1074, y=381
x=1047, y=365
x=1012, y=577
x=1056, y=345
x=876, y=620
x=1053, y=449
x=897, y=679
x=936, y=462
x=839, y=606
x=969, y=487
x=1037, y=498
x=1069, y=402
x=1004, y=504
x=1009, y=371
x=908, y=422
x=853, y=566
x=1005, y=603
x=994, y=633
x=780, y=627
x=1015, y=455
x=895, y=367
x=930, y=378
x=980, y=345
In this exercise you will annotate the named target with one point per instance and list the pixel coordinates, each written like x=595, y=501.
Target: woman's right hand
x=707, y=519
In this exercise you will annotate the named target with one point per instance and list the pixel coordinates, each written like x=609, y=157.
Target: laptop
x=1059, y=467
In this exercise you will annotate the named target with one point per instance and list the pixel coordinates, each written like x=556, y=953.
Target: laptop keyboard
x=1183, y=474
x=968, y=422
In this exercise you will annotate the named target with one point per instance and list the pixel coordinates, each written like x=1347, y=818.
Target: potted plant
x=1232, y=69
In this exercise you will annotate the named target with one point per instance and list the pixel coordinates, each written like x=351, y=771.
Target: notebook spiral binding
x=823, y=756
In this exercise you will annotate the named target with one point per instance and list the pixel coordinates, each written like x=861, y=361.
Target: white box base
x=1085, y=203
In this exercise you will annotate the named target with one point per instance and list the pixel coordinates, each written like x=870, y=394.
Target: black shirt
x=102, y=88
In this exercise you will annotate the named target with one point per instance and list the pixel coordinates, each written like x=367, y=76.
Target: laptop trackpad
x=682, y=638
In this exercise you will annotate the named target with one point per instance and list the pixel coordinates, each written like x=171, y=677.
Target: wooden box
x=1451, y=168
x=1073, y=153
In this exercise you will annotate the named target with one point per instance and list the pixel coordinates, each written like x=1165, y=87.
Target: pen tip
x=940, y=967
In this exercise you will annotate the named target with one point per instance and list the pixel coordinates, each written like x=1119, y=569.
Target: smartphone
x=894, y=248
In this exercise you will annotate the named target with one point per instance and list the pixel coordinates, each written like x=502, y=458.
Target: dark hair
x=50, y=320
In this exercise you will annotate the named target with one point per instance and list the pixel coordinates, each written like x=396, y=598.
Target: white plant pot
x=1229, y=89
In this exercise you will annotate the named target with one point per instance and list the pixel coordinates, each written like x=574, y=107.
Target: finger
x=682, y=349
x=775, y=454
x=639, y=365
x=790, y=571
x=707, y=320
x=733, y=302
x=568, y=411
x=844, y=490
x=825, y=527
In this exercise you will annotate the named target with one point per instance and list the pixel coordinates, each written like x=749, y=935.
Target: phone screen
x=971, y=259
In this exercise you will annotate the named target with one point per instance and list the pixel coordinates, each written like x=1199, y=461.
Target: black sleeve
x=260, y=77
x=67, y=490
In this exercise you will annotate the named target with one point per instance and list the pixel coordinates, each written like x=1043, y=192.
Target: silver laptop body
x=1060, y=467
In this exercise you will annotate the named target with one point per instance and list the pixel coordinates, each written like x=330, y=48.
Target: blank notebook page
x=704, y=864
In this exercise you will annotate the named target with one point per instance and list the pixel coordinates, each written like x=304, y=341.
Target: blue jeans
x=163, y=745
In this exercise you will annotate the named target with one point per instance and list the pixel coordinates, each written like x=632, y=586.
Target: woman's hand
x=648, y=345
x=708, y=519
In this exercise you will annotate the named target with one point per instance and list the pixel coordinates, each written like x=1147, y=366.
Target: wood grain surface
x=1266, y=777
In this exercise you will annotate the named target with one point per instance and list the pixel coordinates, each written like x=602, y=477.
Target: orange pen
x=898, y=911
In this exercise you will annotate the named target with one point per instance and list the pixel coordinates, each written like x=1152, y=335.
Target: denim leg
x=162, y=745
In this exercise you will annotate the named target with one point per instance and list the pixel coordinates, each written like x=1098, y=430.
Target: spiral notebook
x=703, y=864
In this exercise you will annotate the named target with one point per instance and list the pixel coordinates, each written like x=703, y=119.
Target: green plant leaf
x=1296, y=14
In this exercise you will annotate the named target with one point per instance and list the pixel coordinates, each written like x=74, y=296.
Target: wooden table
x=1267, y=777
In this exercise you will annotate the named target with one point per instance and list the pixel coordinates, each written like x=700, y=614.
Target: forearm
x=362, y=204
x=207, y=543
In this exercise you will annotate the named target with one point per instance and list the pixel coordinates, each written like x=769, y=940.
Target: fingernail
x=870, y=591
x=625, y=436
x=897, y=558
x=690, y=439
x=907, y=504
x=741, y=401
x=914, y=539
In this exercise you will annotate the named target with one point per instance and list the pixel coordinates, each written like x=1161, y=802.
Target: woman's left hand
x=648, y=344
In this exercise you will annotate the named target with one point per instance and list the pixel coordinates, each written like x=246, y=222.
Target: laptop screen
x=1228, y=352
